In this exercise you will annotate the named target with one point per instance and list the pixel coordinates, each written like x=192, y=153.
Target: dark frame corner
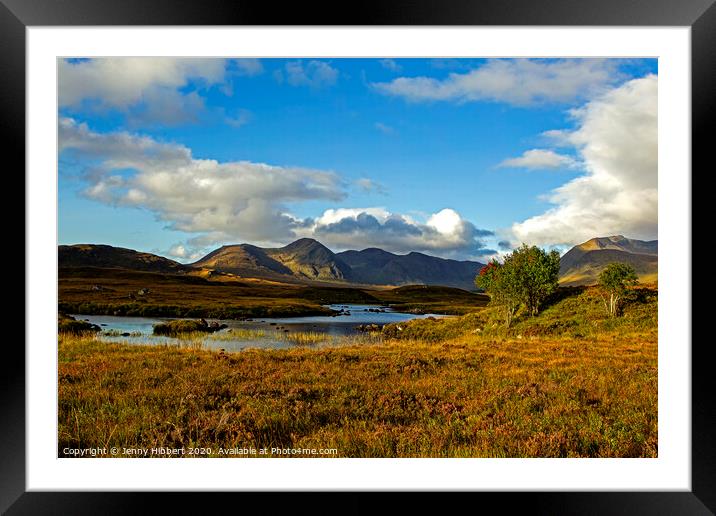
x=700, y=15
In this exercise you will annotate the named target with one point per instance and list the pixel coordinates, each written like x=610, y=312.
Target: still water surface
x=258, y=333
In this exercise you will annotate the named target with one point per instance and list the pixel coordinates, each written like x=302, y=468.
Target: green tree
x=614, y=281
x=537, y=274
x=500, y=283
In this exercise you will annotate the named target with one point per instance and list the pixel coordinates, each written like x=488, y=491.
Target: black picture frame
x=700, y=15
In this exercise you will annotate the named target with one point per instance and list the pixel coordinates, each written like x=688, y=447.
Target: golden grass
x=91, y=290
x=198, y=339
x=470, y=396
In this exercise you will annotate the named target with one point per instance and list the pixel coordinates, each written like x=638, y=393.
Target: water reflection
x=271, y=333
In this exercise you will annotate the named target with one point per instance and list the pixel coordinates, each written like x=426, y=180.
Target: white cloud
x=314, y=74
x=444, y=233
x=148, y=90
x=616, y=139
x=446, y=221
x=539, y=159
x=217, y=203
x=235, y=200
x=332, y=216
x=121, y=82
x=519, y=82
x=182, y=252
x=177, y=251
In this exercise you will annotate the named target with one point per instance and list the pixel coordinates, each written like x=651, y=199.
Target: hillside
x=582, y=264
x=308, y=259
x=378, y=267
x=242, y=260
x=107, y=256
x=303, y=259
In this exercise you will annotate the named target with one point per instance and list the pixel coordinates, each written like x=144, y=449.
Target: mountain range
x=303, y=261
x=308, y=261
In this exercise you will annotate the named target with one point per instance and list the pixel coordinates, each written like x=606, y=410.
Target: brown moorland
x=586, y=387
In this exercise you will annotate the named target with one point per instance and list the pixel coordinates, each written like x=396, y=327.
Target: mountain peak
x=303, y=243
x=379, y=267
x=311, y=259
x=583, y=263
x=619, y=242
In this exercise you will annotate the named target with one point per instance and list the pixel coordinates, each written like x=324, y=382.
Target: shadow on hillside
x=561, y=294
x=641, y=295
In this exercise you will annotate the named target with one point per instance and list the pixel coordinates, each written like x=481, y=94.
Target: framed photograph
x=413, y=250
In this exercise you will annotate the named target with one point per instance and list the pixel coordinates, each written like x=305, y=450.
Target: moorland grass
x=571, y=382
x=467, y=397
x=70, y=325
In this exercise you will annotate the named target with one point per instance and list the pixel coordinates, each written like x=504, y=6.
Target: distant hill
x=308, y=259
x=311, y=259
x=305, y=258
x=243, y=260
x=303, y=261
x=379, y=267
x=582, y=264
x=97, y=255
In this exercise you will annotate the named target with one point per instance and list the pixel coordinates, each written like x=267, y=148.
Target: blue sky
x=457, y=158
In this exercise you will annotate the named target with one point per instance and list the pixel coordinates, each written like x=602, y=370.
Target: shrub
x=614, y=281
x=501, y=283
x=528, y=275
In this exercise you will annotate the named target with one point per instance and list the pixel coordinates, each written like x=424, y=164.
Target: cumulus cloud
x=314, y=74
x=616, y=138
x=182, y=252
x=122, y=82
x=539, y=159
x=165, y=107
x=234, y=200
x=241, y=201
x=177, y=251
x=148, y=90
x=444, y=233
x=520, y=82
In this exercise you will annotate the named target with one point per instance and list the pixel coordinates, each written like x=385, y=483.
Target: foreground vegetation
x=570, y=382
x=570, y=312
